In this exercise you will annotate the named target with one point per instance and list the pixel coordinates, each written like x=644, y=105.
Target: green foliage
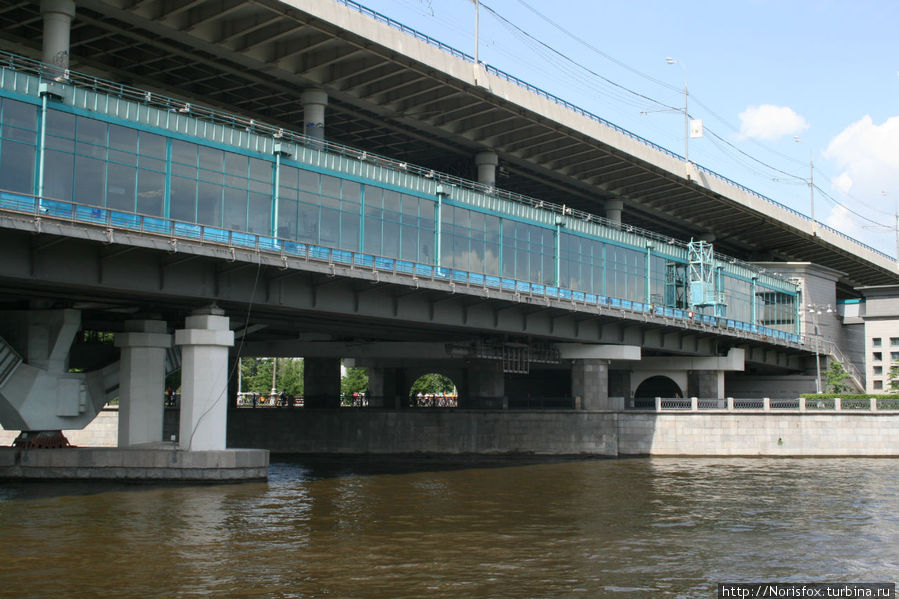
x=893, y=378
x=355, y=381
x=431, y=383
x=835, y=379
x=256, y=374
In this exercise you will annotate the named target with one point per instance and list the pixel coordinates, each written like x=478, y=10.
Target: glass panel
x=20, y=114
x=123, y=157
x=17, y=167
x=352, y=191
x=330, y=227
x=288, y=211
x=150, y=192
x=260, y=214
x=261, y=170
x=90, y=179
x=120, y=187
x=211, y=158
x=59, y=175
x=123, y=138
x=152, y=145
x=236, y=164
x=58, y=123
x=235, y=210
x=209, y=204
x=91, y=131
x=184, y=199
x=183, y=152
x=330, y=186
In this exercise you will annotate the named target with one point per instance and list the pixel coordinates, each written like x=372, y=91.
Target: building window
x=894, y=356
x=876, y=342
x=878, y=385
x=878, y=370
x=878, y=356
x=894, y=341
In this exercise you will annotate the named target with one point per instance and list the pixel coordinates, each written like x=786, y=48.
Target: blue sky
x=760, y=74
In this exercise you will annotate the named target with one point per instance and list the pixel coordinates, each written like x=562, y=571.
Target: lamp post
x=815, y=310
x=811, y=185
x=670, y=60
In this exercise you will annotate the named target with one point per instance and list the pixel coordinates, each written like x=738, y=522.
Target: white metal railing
x=762, y=404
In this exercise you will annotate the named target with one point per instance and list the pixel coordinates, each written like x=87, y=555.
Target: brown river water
x=419, y=527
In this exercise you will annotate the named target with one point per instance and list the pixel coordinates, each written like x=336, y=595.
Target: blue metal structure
x=101, y=153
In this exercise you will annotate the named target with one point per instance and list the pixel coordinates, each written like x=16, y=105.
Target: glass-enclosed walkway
x=99, y=152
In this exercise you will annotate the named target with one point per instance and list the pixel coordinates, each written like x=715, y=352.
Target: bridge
x=169, y=166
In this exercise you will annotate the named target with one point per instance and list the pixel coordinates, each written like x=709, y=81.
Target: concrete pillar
x=613, y=210
x=204, y=343
x=620, y=383
x=58, y=15
x=590, y=384
x=708, y=384
x=385, y=388
x=142, y=381
x=321, y=381
x=314, y=102
x=485, y=385
x=487, y=162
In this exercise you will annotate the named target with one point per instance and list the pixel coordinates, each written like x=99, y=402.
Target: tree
x=431, y=383
x=355, y=381
x=893, y=380
x=290, y=376
x=836, y=377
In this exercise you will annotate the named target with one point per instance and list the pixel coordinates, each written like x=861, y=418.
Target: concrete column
x=613, y=210
x=142, y=381
x=385, y=388
x=58, y=15
x=204, y=343
x=314, y=102
x=485, y=385
x=321, y=381
x=487, y=162
x=590, y=384
x=705, y=383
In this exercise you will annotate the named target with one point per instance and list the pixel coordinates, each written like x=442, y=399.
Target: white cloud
x=867, y=156
x=769, y=122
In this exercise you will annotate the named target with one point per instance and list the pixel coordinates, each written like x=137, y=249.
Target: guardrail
x=130, y=222
x=760, y=404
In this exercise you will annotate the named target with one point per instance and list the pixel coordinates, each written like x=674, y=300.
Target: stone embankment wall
x=103, y=431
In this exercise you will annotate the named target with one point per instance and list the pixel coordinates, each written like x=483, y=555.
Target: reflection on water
x=492, y=528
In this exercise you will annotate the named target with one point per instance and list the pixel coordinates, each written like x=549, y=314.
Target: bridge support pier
x=321, y=379
x=485, y=385
x=142, y=381
x=590, y=384
x=314, y=102
x=58, y=15
x=705, y=383
x=204, y=343
x=385, y=385
x=486, y=163
x=614, y=209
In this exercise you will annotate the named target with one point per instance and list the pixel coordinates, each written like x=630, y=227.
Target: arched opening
x=433, y=390
x=658, y=386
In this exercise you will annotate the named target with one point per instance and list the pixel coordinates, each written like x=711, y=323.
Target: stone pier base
x=151, y=462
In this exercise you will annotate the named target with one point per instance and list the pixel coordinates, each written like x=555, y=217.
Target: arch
x=433, y=390
x=658, y=386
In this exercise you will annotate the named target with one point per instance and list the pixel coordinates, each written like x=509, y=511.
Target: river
x=419, y=527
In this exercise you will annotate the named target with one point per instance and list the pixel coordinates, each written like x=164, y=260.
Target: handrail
x=836, y=353
x=132, y=222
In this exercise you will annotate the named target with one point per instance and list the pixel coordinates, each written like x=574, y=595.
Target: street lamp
x=670, y=60
x=815, y=310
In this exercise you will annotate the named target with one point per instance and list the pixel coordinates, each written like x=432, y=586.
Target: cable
x=224, y=392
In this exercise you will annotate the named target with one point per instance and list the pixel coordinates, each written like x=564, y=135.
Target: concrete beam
x=582, y=351
x=734, y=361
